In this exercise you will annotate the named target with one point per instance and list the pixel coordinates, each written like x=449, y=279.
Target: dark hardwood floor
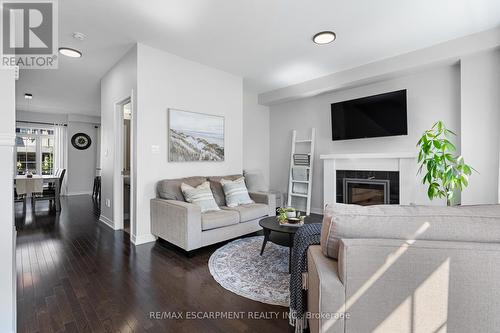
x=76, y=275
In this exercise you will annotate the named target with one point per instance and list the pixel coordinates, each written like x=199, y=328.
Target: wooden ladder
x=308, y=170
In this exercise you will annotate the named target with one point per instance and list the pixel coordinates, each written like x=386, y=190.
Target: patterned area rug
x=238, y=267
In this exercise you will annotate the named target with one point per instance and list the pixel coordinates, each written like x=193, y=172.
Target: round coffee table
x=279, y=234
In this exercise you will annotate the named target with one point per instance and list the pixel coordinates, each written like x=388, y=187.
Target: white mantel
x=403, y=162
x=366, y=155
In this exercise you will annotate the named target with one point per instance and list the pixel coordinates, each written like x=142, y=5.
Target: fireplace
x=367, y=187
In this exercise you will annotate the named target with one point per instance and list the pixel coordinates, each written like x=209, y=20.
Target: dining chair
x=96, y=190
x=51, y=184
x=20, y=198
x=50, y=193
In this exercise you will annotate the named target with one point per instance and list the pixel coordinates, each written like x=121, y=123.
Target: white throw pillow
x=201, y=196
x=236, y=192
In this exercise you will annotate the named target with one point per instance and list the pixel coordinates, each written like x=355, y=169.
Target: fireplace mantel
x=403, y=162
x=349, y=156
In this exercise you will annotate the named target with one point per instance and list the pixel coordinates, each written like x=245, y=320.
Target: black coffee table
x=281, y=235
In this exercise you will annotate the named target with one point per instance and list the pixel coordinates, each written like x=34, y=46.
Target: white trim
x=79, y=193
x=142, y=239
x=367, y=155
x=107, y=222
x=118, y=164
x=7, y=140
x=38, y=143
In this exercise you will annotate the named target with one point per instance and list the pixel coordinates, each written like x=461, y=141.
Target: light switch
x=155, y=149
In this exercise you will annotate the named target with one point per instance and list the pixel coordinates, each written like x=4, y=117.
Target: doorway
x=126, y=155
x=124, y=172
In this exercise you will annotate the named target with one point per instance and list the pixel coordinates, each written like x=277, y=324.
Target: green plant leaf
x=449, y=146
x=450, y=158
x=431, y=192
x=448, y=132
x=466, y=169
x=464, y=180
x=429, y=177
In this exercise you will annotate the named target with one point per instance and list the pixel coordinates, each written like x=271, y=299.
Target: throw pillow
x=236, y=192
x=200, y=196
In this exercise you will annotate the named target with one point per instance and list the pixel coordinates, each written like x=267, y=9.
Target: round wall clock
x=81, y=141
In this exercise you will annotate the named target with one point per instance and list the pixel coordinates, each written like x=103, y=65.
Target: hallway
x=76, y=275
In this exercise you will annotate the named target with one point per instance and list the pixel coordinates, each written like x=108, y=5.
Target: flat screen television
x=369, y=117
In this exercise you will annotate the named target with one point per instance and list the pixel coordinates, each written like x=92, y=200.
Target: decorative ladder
x=308, y=170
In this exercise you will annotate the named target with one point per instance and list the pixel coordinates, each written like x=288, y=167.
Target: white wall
x=160, y=81
x=256, y=135
x=167, y=81
x=480, y=89
x=7, y=233
x=117, y=85
x=433, y=94
x=81, y=163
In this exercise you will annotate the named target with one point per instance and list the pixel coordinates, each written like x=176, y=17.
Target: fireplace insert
x=366, y=192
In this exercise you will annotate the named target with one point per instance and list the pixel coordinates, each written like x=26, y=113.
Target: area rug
x=239, y=267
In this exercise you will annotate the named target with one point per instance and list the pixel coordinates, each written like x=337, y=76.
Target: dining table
x=45, y=179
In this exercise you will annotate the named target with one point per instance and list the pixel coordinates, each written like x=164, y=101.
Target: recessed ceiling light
x=28, y=96
x=68, y=52
x=324, y=37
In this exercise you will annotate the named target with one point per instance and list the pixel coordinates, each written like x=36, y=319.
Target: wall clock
x=81, y=141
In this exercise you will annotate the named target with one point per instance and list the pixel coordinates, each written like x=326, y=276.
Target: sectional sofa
x=406, y=269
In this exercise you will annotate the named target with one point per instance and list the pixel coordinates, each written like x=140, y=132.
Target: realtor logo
x=29, y=33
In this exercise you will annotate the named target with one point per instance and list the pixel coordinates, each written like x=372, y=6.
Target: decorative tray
x=293, y=222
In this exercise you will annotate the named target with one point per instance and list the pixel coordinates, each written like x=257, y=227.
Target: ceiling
x=267, y=42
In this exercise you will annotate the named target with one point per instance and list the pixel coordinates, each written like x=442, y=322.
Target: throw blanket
x=307, y=235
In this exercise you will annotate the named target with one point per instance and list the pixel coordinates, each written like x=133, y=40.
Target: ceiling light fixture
x=324, y=37
x=28, y=96
x=69, y=52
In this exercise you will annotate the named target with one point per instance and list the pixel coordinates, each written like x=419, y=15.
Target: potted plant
x=445, y=172
x=284, y=213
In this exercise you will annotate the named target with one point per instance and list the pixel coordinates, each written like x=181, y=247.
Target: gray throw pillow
x=236, y=192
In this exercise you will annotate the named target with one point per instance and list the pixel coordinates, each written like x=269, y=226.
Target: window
x=35, y=150
x=47, y=151
x=26, y=154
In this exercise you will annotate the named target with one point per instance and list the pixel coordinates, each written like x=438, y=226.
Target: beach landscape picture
x=195, y=136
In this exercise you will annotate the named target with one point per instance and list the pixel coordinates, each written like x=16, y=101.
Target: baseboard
x=142, y=239
x=107, y=222
x=79, y=193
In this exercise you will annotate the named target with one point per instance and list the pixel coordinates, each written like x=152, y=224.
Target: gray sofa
x=406, y=269
x=182, y=223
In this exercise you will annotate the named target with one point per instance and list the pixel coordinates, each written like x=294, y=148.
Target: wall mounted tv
x=369, y=117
